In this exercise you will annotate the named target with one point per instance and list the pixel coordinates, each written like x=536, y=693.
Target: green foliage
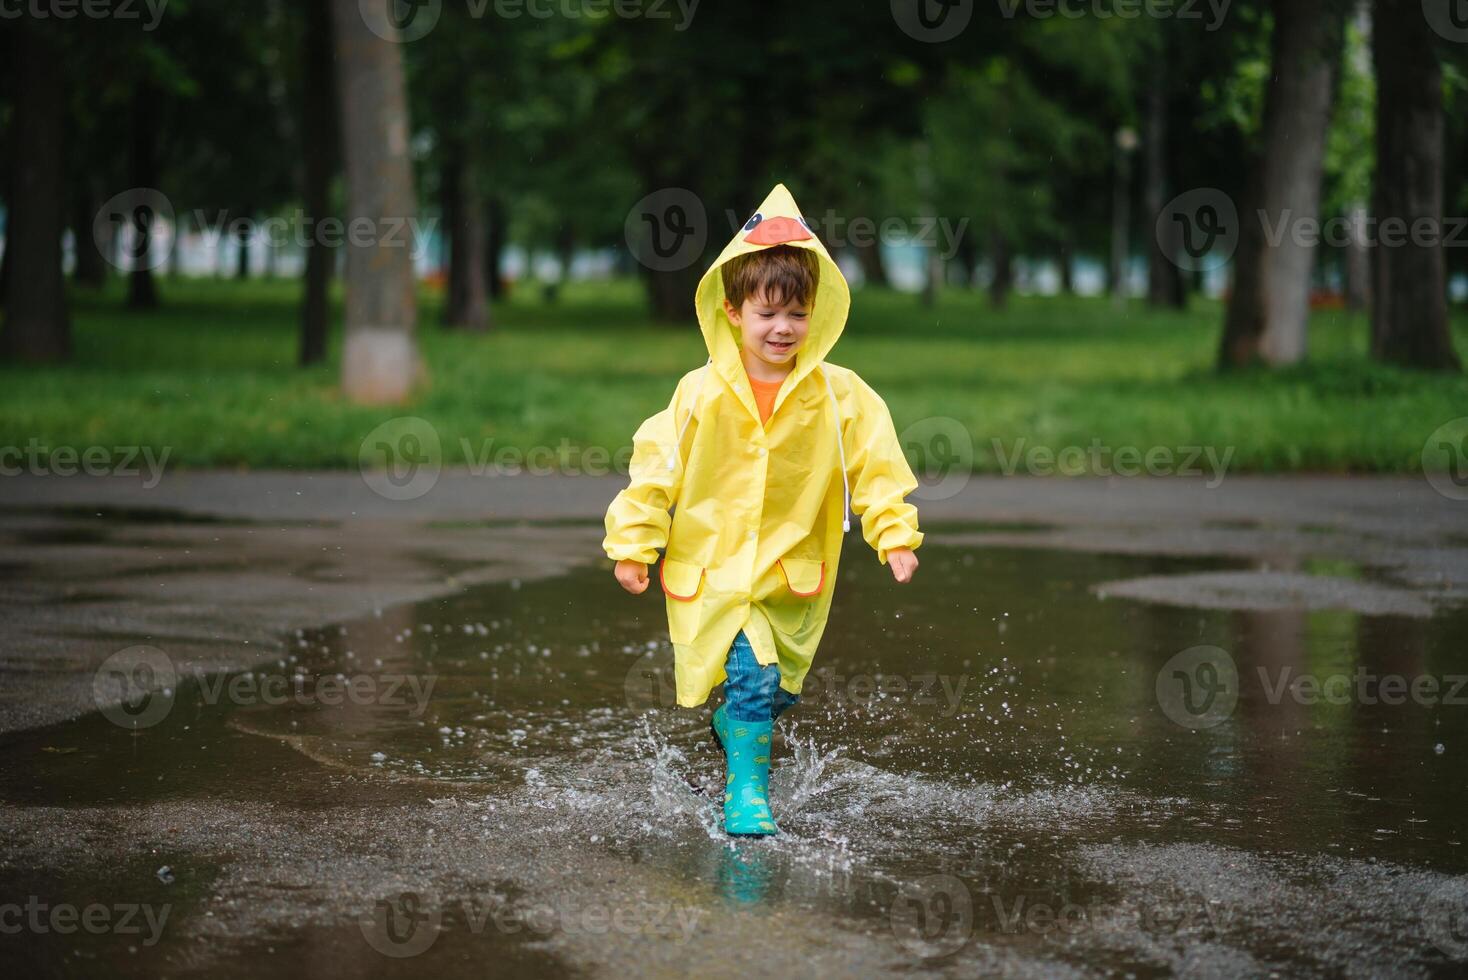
x=212, y=377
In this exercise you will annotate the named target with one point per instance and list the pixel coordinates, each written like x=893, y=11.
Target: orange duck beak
x=778, y=231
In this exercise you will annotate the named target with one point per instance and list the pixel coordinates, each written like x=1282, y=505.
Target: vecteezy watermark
x=932, y=21
x=1445, y=459
x=38, y=459
x=406, y=21
x=153, y=10
x=943, y=453
x=401, y=459
x=1449, y=18
x=135, y=230
x=940, y=234
x=667, y=230
x=1445, y=917
x=136, y=688
x=1363, y=687
x=937, y=916
x=1211, y=11
x=1199, y=687
x=138, y=229
x=408, y=924
x=943, y=691
x=96, y=918
x=1199, y=229
x=933, y=916
x=651, y=682
x=1098, y=459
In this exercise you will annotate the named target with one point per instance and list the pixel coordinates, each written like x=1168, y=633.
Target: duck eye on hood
x=755, y=219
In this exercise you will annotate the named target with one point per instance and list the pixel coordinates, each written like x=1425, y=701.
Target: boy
x=783, y=448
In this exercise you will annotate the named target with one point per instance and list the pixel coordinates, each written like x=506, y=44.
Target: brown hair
x=779, y=273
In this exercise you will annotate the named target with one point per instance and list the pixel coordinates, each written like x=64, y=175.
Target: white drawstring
x=678, y=446
x=841, y=449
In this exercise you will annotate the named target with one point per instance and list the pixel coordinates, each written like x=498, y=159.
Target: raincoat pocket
x=789, y=610
x=683, y=585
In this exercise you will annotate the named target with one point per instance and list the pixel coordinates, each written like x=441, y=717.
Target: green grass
x=212, y=377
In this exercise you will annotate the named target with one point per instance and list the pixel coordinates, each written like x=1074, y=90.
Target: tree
x=1409, y=318
x=379, y=356
x=37, y=322
x=321, y=153
x=1269, y=308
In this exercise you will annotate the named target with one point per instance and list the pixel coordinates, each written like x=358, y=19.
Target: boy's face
x=772, y=332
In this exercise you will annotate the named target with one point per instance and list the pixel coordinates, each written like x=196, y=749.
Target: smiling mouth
x=777, y=345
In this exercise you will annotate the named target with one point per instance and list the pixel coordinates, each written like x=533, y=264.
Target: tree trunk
x=1357, y=260
x=322, y=151
x=142, y=290
x=1121, y=220
x=1002, y=259
x=379, y=357
x=37, y=324
x=966, y=259
x=869, y=255
x=242, y=253
x=1409, y=321
x=1269, y=308
x=91, y=267
x=466, y=304
x=671, y=293
x=1164, y=278
x=1065, y=259
x=495, y=248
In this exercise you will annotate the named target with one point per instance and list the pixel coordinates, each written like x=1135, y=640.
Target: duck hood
x=777, y=221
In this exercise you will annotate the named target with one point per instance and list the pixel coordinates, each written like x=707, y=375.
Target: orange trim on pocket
x=793, y=591
x=702, y=573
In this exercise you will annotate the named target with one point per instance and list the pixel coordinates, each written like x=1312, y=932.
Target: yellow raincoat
x=760, y=508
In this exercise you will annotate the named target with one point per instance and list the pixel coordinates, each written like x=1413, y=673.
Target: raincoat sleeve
x=880, y=477
x=637, y=521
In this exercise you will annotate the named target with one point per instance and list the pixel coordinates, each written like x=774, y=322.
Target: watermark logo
x=1445, y=459
x=63, y=918
x=1199, y=687
x=944, y=451
x=934, y=916
x=1199, y=229
x=90, y=9
x=651, y=683
x=135, y=688
x=402, y=21
x=932, y=21
x=1445, y=918
x=1449, y=18
x=409, y=924
x=402, y=926
x=668, y=229
x=401, y=459
x=38, y=459
x=135, y=230
x=1214, y=10
x=1099, y=459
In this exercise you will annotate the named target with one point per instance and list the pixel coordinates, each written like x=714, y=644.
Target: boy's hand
x=903, y=563
x=632, y=576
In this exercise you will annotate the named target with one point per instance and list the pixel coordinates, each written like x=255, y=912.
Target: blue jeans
x=753, y=691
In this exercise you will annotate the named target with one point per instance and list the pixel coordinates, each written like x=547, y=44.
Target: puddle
x=987, y=741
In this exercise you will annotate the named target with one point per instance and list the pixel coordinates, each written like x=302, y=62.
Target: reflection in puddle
x=996, y=725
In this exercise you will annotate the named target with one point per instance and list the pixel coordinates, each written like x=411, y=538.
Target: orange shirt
x=764, y=395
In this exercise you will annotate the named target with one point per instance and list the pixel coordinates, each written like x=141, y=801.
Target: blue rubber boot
x=746, y=747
